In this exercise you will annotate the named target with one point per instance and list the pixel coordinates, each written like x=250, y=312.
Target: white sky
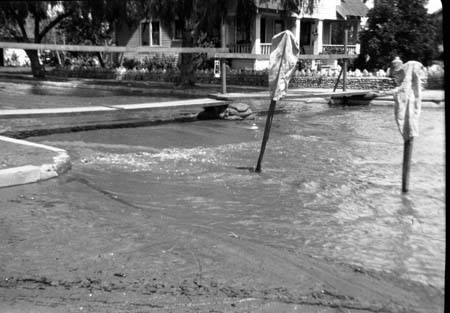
x=433, y=5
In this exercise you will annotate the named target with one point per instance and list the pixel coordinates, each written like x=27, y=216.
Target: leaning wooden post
x=283, y=60
x=407, y=154
x=269, y=119
x=408, y=102
x=338, y=79
x=344, y=70
x=224, y=65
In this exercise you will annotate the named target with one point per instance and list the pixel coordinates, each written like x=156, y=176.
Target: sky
x=433, y=5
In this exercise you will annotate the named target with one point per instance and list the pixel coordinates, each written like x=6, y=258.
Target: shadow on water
x=246, y=168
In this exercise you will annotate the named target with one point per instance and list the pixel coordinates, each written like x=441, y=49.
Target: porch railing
x=247, y=48
x=240, y=48
x=338, y=49
x=265, y=48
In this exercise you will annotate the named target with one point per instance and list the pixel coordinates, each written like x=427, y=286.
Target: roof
x=352, y=8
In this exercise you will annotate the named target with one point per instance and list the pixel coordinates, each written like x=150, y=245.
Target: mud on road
x=67, y=246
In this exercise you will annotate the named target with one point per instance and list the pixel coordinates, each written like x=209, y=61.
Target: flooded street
x=330, y=186
x=17, y=95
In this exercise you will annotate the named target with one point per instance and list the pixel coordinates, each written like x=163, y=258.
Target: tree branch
x=52, y=24
x=20, y=23
x=36, y=23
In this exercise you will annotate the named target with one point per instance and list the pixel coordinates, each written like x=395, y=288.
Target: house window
x=337, y=34
x=178, y=30
x=145, y=34
x=305, y=33
x=278, y=26
x=150, y=33
x=242, y=31
x=156, y=33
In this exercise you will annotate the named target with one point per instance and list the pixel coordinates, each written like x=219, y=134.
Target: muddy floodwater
x=330, y=185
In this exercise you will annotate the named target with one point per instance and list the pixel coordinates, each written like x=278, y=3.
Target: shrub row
x=237, y=77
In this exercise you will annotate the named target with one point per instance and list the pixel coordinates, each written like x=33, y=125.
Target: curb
x=72, y=111
x=28, y=174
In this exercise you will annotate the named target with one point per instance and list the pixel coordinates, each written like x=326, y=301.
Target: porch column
x=223, y=31
x=257, y=35
x=357, y=45
x=318, y=42
x=297, y=29
x=223, y=34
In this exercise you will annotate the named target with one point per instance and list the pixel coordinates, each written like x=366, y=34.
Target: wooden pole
x=269, y=119
x=407, y=153
x=338, y=79
x=344, y=84
x=224, y=77
x=224, y=65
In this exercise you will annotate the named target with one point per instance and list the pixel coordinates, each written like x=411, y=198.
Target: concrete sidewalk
x=23, y=162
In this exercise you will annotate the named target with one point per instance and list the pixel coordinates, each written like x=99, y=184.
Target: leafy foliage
x=15, y=16
x=26, y=21
x=95, y=21
x=397, y=28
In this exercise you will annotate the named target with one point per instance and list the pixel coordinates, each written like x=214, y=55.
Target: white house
x=319, y=32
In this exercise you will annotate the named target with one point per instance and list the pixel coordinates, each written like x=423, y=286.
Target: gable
x=352, y=8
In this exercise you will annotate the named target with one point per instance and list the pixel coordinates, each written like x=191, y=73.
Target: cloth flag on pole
x=283, y=61
x=408, y=99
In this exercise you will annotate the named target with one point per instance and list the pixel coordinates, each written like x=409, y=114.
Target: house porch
x=315, y=37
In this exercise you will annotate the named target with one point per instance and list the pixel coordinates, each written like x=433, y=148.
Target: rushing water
x=330, y=185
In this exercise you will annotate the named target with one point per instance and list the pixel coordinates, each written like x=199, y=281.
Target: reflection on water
x=330, y=185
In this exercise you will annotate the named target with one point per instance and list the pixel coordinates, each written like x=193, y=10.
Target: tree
x=16, y=16
x=95, y=22
x=397, y=28
x=201, y=16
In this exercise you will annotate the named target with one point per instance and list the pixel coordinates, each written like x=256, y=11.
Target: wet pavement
x=168, y=218
x=331, y=185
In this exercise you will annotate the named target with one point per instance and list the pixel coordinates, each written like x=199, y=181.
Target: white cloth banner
x=408, y=99
x=283, y=60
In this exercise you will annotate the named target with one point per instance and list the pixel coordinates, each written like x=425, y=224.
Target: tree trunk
x=187, y=64
x=37, y=69
x=100, y=59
